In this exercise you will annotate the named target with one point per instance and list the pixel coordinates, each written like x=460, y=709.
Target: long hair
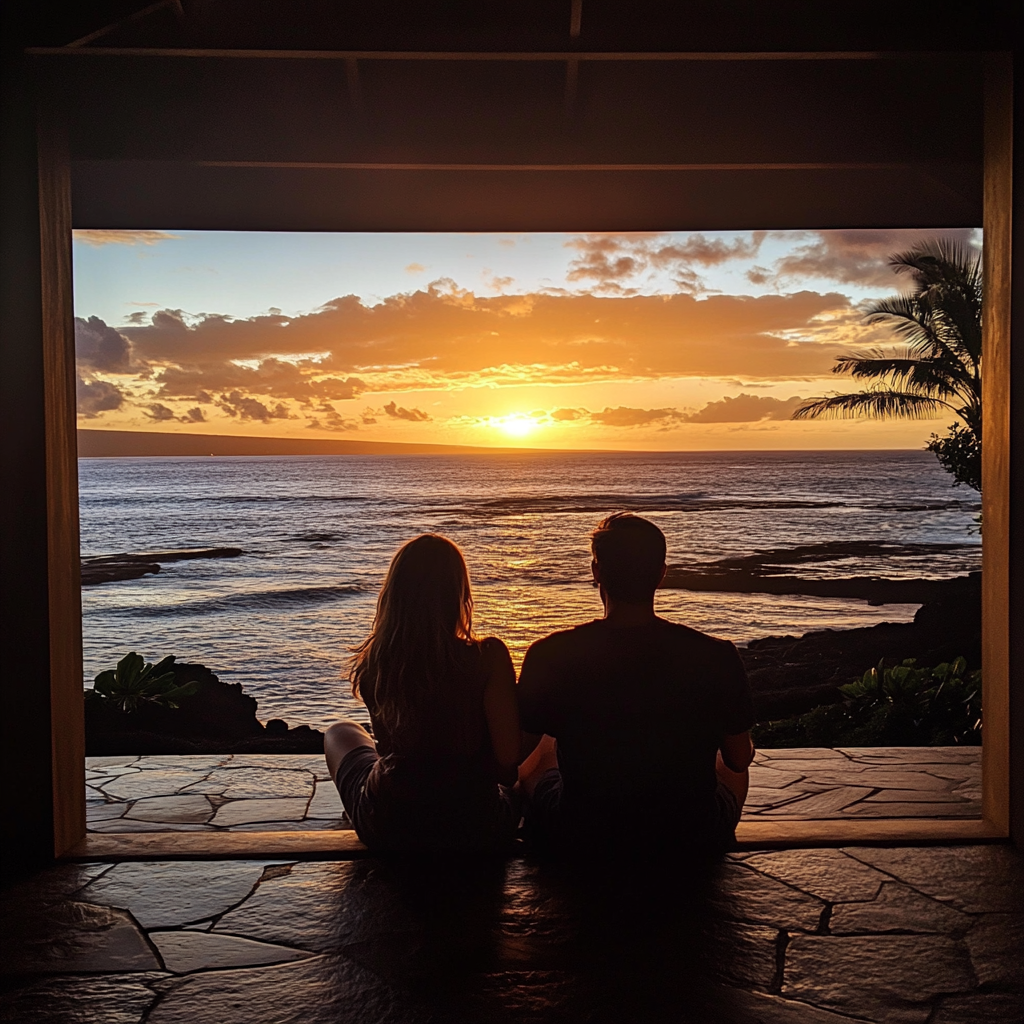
x=410, y=660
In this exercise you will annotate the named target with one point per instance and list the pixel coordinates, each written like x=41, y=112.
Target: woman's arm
x=501, y=709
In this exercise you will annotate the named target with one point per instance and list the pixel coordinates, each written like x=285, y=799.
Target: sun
x=515, y=424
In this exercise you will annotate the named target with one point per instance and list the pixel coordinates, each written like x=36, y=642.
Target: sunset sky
x=673, y=341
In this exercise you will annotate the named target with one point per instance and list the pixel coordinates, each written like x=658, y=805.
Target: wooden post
x=995, y=597
x=67, y=725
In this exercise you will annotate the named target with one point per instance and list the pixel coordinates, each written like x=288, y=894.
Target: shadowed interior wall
x=25, y=748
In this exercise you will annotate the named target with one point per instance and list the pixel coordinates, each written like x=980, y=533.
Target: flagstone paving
x=914, y=935
x=285, y=792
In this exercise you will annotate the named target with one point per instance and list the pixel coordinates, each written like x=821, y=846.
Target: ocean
x=318, y=533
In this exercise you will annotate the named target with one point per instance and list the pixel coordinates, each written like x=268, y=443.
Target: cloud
x=97, y=238
x=159, y=412
x=624, y=416
x=396, y=412
x=740, y=408
x=743, y=408
x=195, y=415
x=95, y=397
x=852, y=256
x=495, y=282
x=415, y=268
x=271, y=378
x=99, y=347
x=611, y=260
x=236, y=404
x=333, y=420
x=438, y=335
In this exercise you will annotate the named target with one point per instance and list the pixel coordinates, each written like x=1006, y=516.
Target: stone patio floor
x=926, y=935
x=280, y=792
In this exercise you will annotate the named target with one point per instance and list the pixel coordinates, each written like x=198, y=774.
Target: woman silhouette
x=444, y=714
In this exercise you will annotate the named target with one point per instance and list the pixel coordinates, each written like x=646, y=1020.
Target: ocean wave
x=603, y=504
x=256, y=600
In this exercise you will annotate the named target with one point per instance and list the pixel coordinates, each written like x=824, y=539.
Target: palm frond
x=948, y=290
x=880, y=403
x=901, y=368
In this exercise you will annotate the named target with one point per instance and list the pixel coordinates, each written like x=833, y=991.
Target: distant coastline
x=108, y=444
x=111, y=444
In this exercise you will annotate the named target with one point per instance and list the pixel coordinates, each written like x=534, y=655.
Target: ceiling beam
x=486, y=55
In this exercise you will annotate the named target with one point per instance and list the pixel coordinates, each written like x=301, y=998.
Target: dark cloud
x=565, y=415
x=743, y=408
x=95, y=397
x=195, y=415
x=99, y=347
x=160, y=413
x=396, y=412
x=237, y=404
x=332, y=420
x=852, y=256
x=271, y=378
x=613, y=260
x=624, y=416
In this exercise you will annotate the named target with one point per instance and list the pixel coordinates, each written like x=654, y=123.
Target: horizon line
x=112, y=443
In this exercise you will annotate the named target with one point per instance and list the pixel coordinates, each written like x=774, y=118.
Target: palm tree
x=939, y=366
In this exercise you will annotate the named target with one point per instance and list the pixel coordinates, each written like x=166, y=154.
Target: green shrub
x=134, y=683
x=890, y=707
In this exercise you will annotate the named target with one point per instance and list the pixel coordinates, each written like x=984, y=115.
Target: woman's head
x=424, y=613
x=428, y=585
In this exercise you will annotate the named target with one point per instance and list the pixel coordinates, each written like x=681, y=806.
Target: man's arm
x=534, y=694
x=737, y=751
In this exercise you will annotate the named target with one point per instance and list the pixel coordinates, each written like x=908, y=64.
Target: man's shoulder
x=693, y=640
x=565, y=640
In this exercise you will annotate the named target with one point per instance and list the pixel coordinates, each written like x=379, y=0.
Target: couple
x=629, y=726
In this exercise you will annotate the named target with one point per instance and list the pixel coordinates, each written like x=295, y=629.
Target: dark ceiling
x=593, y=115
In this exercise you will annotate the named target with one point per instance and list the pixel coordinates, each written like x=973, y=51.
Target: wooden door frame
x=66, y=670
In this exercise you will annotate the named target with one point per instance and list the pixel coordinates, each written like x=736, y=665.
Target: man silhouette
x=641, y=724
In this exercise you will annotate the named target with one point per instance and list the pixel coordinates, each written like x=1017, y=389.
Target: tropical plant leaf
x=134, y=682
x=894, y=706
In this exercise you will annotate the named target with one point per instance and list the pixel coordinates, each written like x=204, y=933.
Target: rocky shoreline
x=219, y=719
x=793, y=674
x=778, y=572
x=788, y=674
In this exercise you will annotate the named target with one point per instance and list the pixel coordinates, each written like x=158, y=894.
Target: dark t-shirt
x=638, y=714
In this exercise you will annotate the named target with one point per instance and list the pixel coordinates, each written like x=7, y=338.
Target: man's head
x=629, y=557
